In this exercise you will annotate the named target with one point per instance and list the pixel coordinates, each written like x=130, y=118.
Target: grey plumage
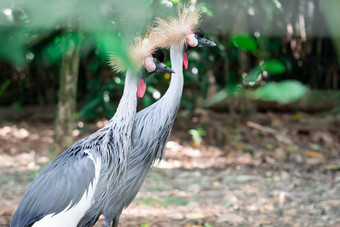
x=64, y=181
x=36, y=204
x=151, y=132
x=79, y=186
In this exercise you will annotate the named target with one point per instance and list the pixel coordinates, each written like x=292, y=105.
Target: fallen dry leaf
x=314, y=154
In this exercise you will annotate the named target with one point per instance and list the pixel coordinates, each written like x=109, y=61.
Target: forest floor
x=271, y=169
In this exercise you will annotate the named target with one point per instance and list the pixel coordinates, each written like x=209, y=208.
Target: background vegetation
x=260, y=43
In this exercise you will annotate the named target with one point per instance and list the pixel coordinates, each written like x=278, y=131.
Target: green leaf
x=333, y=167
x=207, y=225
x=4, y=86
x=293, y=148
x=253, y=75
x=287, y=63
x=273, y=67
x=270, y=66
x=244, y=42
x=283, y=92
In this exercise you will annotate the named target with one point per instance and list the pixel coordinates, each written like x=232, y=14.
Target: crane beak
x=161, y=67
x=205, y=42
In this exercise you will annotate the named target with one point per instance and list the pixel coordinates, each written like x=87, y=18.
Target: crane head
x=153, y=63
x=195, y=40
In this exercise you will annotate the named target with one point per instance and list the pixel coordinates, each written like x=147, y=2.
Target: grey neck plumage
x=126, y=109
x=153, y=124
x=114, y=141
x=172, y=97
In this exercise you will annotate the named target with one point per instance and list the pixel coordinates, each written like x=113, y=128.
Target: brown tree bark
x=67, y=97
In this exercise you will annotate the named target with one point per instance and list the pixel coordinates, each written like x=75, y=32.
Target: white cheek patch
x=149, y=64
x=191, y=39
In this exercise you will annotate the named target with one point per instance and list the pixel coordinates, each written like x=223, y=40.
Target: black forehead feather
x=159, y=54
x=199, y=31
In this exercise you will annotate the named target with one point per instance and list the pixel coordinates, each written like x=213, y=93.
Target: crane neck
x=126, y=109
x=156, y=121
x=174, y=92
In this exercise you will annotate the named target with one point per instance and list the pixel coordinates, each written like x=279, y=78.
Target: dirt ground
x=268, y=170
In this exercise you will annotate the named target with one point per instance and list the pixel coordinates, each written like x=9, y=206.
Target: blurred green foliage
x=244, y=42
x=283, y=92
x=197, y=135
x=258, y=42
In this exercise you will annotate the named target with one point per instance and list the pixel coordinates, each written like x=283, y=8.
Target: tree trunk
x=67, y=96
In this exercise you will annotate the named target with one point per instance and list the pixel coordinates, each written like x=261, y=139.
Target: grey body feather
x=64, y=181
x=54, y=188
x=152, y=129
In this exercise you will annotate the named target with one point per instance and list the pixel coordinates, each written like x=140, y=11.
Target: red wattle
x=141, y=88
x=185, y=60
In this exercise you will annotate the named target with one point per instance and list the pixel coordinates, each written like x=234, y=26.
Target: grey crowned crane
x=153, y=124
x=84, y=176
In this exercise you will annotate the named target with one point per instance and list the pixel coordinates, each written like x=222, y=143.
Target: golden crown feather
x=137, y=52
x=165, y=32
x=174, y=30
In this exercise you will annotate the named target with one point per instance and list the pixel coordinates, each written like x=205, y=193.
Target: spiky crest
x=137, y=52
x=173, y=30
